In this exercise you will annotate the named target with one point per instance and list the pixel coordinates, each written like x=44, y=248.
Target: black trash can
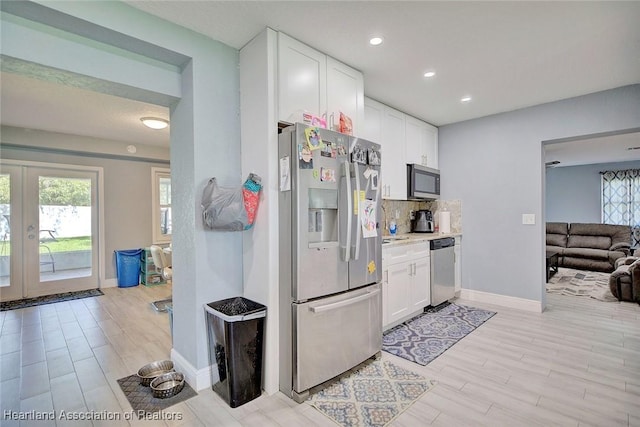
x=236, y=334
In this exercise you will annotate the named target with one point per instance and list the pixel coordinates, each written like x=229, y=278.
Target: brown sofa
x=624, y=282
x=594, y=247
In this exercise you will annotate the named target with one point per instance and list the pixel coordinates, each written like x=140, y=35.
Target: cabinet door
x=398, y=284
x=373, y=118
x=415, y=141
x=431, y=146
x=345, y=93
x=421, y=284
x=394, y=166
x=302, y=77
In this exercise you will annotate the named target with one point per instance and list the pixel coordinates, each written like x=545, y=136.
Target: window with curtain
x=621, y=197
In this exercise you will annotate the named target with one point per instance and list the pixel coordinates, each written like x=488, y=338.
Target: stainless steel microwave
x=423, y=183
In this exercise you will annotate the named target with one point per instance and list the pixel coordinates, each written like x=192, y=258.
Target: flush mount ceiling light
x=429, y=74
x=465, y=99
x=375, y=41
x=154, y=122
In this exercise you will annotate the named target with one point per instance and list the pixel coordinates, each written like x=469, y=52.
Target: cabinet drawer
x=404, y=252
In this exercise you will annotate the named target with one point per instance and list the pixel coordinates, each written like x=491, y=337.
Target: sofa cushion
x=557, y=234
x=592, y=242
x=614, y=233
x=589, y=253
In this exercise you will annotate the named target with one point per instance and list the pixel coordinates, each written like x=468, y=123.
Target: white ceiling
x=37, y=104
x=506, y=55
x=607, y=149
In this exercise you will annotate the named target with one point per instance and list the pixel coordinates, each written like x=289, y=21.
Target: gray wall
x=495, y=166
x=573, y=193
x=205, y=140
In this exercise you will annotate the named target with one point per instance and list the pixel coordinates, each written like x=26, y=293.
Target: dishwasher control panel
x=445, y=242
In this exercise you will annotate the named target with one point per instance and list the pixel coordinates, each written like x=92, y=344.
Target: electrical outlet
x=529, y=219
x=397, y=213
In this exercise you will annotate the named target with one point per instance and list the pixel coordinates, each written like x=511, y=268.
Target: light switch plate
x=529, y=219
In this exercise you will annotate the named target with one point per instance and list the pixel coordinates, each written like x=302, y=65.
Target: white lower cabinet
x=405, y=282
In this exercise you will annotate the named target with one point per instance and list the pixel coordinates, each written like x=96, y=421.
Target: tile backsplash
x=403, y=209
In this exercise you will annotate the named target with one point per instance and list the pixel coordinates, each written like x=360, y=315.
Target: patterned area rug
x=141, y=397
x=49, y=299
x=430, y=334
x=594, y=284
x=371, y=396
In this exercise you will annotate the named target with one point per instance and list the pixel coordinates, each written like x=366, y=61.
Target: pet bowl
x=167, y=385
x=153, y=370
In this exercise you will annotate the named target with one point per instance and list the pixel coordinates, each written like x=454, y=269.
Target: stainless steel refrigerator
x=330, y=256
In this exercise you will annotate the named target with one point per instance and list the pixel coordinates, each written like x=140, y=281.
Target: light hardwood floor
x=576, y=364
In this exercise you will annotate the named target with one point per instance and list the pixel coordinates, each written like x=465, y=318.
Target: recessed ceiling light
x=465, y=99
x=430, y=74
x=154, y=122
x=375, y=41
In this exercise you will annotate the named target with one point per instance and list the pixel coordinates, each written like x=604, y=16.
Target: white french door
x=49, y=230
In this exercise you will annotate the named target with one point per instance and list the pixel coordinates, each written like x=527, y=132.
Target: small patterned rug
x=142, y=401
x=594, y=284
x=49, y=299
x=371, y=396
x=430, y=334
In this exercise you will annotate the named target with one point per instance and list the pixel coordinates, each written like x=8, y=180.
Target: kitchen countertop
x=408, y=238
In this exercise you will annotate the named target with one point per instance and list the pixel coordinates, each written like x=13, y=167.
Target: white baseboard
x=199, y=379
x=501, y=300
x=108, y=283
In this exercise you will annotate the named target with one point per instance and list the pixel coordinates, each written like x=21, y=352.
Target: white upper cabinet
x=432, y=146
x=373, y=118
x=302, y=78
x=404, y=139
x=309, y=81
x=394, y=166
x=421, y=143
x=345, y=93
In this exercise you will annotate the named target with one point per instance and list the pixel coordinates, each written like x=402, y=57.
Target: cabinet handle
x=386, y=280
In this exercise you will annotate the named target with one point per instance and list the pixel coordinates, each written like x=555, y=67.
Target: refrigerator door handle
x=336, y=305
x=356, y=170
x=347, y=174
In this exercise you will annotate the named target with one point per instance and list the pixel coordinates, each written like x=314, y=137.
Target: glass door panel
x=61, y=227
x=10, y=232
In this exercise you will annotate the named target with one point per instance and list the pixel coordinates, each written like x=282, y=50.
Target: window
x=621, y=197
x=161, y=199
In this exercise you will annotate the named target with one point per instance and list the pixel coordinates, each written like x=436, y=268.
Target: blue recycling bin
x=128, y=267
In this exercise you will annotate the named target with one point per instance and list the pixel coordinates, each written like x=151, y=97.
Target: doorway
x=48, y=228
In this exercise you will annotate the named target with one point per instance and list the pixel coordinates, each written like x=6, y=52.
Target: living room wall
x=495, y=166
x=205, y=132
x=127, y=182
x=573, y=193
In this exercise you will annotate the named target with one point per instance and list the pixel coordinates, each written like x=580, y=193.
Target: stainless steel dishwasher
x=442, y=270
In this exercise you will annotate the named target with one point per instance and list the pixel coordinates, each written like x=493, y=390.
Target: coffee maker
x=422, y=222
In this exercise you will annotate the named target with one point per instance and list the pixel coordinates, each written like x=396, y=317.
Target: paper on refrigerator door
x=368, y=218
x=285, y=174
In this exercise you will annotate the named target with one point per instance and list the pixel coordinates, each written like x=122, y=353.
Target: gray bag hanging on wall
x=223, y=208
x=231, y=209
